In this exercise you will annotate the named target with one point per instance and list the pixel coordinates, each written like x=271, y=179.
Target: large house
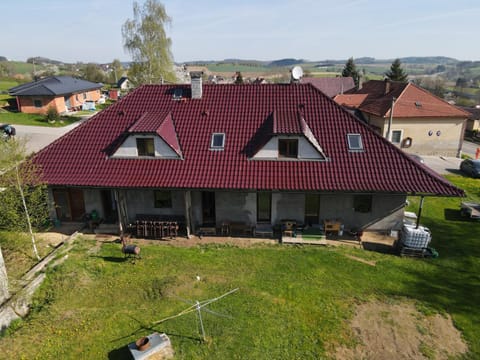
x=410, y=117
x=251, y=154
x=63, y=93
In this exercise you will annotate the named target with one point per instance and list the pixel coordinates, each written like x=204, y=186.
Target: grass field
x=17, y=118
x=292, y=302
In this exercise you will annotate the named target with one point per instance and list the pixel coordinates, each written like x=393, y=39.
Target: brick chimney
x=388, y=85
x=196, y=84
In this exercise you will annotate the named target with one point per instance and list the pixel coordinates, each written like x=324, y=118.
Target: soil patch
x=400, y=331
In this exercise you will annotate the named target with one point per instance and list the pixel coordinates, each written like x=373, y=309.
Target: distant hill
x=286, y=62
x=3, y=58
x=43, y=60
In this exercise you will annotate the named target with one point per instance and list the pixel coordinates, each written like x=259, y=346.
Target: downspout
x=420, y=211
x=390, y=120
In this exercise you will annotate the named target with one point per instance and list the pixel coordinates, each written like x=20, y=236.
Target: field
x=292, y=302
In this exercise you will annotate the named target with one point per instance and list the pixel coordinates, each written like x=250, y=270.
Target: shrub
x=52, y=115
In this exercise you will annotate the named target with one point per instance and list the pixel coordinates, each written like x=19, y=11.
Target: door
x=69, y=204
x=312, y=208
x=109, y=207
x=62, y=205
x=208, y=208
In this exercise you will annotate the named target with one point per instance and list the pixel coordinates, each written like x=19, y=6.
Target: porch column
x=188, y=210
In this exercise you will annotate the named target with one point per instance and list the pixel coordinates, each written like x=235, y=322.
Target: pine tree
x=396, y=72
x=350, y=70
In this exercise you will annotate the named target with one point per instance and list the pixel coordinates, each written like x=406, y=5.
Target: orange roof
x=411, y=101
x=350, y=100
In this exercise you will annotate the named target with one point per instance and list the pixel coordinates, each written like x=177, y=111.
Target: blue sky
x=90, y=30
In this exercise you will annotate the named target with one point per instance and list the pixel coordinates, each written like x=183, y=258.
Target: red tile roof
x=331, y=86
x=244, y=114
x=411, y=101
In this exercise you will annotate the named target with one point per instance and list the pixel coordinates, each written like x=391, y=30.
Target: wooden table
x=332, y=226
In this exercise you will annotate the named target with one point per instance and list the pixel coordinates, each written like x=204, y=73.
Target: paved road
x=37, y=137
x=469, y=148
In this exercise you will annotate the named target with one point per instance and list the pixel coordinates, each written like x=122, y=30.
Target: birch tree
x=145, y=39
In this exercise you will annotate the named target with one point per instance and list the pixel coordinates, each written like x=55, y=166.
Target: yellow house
x=410, y=117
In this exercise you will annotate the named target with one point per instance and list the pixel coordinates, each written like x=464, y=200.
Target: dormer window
x=288, y=148
x=218, y=141
x=355, y=142
x=145, y=147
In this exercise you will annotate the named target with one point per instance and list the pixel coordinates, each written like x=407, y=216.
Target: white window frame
x=212, y=141
x=360, y=142
x=401, y=136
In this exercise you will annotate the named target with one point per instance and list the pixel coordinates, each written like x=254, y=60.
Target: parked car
x=471, y=167
x=417, y=158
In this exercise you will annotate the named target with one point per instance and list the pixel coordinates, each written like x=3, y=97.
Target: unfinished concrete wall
x=288, y=206
x=236, y=206
x=386, y=214
x=93, y=201
x=142, y=202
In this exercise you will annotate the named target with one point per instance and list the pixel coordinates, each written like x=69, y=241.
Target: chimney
x=388, y=84
x=196, y=84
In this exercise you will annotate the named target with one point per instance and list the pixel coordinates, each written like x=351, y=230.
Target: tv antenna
x=198, y=307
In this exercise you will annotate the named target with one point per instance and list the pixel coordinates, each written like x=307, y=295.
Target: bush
x=52, y=115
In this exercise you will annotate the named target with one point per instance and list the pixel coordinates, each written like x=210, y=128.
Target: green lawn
x=19, y=118
x=292, y=302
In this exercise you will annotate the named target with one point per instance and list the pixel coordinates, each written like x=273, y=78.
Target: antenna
x=297, y=73
x=198, y=306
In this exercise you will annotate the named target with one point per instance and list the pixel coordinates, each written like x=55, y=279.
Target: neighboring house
x=64, y=93
x=410, y=117
x=255, y=154
x=473, y=121
x=124, y=84
x=331, y=86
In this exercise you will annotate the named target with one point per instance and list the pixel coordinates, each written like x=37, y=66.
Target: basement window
x=162, y=199
x=355, y=142
x=218, y=141
x=145, y=147
x=362, y=203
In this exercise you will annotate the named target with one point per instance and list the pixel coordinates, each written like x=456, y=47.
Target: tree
x=24, y=198
x=93, y=72
x=117, y=71
x=145, y=39
x=396, y=72
x=238, y=78
x=350, y=70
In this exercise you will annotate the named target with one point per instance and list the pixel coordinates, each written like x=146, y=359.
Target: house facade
x=249, y=154
x=63, y=93
x=410, y=117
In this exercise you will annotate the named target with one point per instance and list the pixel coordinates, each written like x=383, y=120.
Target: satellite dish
x=297, y=73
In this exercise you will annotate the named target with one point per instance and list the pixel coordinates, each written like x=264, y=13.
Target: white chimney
x=196, y=84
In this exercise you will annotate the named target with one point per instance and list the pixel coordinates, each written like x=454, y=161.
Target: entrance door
x=70, y=205
x=109, y=207
x=312, y=208
x=208, y=208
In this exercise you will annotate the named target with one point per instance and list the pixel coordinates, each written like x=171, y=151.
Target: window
x=162, y=198
x=37, y=103
x=264, y=206
x=84, y=96
x=288, y=148
x=354, y=142
x=145, y=147
x=396, y=136
x=362, y=203
x=218, y=141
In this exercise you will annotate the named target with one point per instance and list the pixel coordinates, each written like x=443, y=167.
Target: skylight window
x=218, y=141
x=355, y=142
